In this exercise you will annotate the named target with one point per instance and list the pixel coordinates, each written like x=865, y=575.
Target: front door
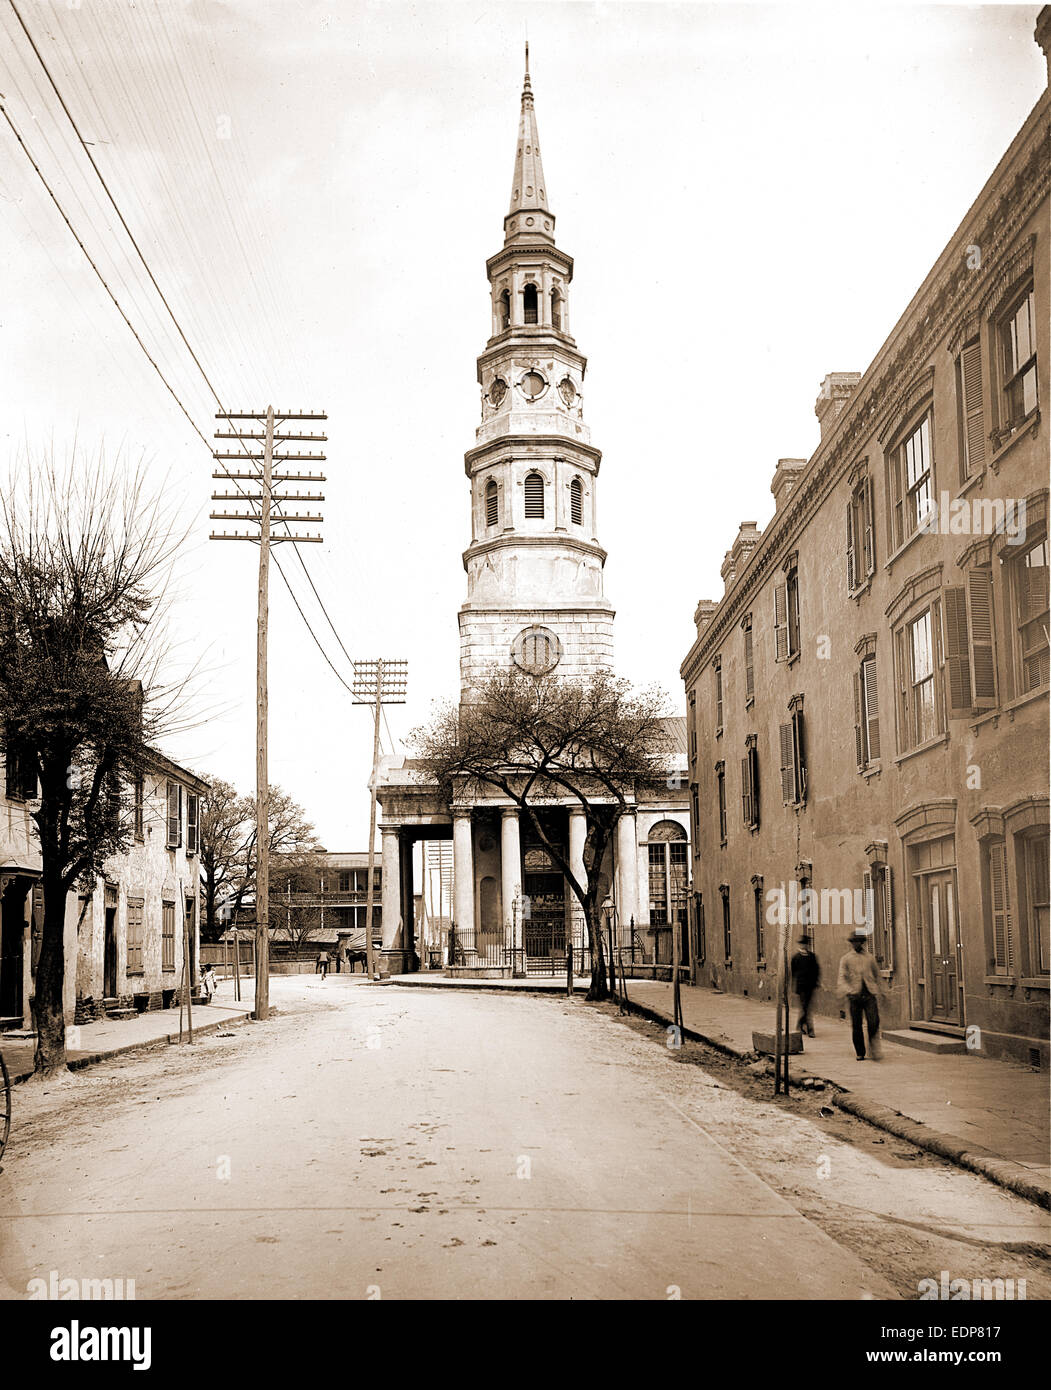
x=941, y=942
x=12, y=929
x=109, y=959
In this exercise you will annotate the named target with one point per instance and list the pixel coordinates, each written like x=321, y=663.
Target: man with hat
x=859, y=982
x=806, y=976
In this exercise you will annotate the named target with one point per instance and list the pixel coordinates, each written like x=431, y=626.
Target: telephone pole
x=376, y=683
x=266, y=504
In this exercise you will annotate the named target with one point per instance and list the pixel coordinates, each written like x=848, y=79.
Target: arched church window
x=667, y=848
x=556, y=309
x=534, y=497
x=492, y=503
x=505, y=309
x=529, y=303
x=576, y=502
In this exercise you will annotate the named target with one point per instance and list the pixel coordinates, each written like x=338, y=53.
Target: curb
x=556, y=993
x=90, y=1059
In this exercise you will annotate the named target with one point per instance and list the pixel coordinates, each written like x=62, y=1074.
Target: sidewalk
x=988, y=1116
x=108, y=1038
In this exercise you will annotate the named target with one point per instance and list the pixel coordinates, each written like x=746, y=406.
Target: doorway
x=941, y=945
x=109, y=956
x=12, y=938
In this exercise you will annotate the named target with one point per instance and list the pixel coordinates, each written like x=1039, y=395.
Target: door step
x=928, y=1042
x=929, y=1025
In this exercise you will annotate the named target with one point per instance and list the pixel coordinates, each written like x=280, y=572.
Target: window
x=174, y=815
x=720, y=786
x=879, y=913
x=749, y=662
x=534, y=497
x=911, y=478
x=998, y=908
x=192, y=810
x=786, y=616
x=529, y=302
x=969, y=652
x=1028, y=580
x=576, y=502
x=133, y=939
x=138, y=802
x=866, y=714
x=702, y=933
x=760, y=935
x=1018, y=358
x=667, y=873
x=695, y=804
x=20, y=770
x=188, y=908
x=556, y=309
x=505, y=310
x=692, y=721
x=344, y=882
x=718, y=667
x=921, y=706
x=492, y=503
x=750, y=784
x=861, y=551
x=536, y=650
x=1035, y=849
x=793, y=755
x=971, y=410
x=167, y=936
x=724, y=893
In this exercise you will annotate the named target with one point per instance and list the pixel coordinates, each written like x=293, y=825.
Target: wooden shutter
x=173, y=815
x=957, y=658
x=133, y=939
x=746, y=790
x=859, y=742
x=788, y=766
x=980, y=631
x=749, y=665
x=753, y=783
x=870, y=906
x=973, y=414
x=576, y=502
x=1003, y=952
x=492, y=504
x=534, y=496
x=868, y=527
x=903, y=673
x=799, y=735
x=870, y=707
x=191, y=822
x=852, y=577
x=888, y=918
x=781, y=622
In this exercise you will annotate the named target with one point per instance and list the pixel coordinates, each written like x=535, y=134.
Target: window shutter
x=980, y=625
x=753, y=784
x=788, y=767
x=888, y=919
x=749, y=665
x=534, y=497
x=868, y=537
x=870, y=906
x=173, y=815
x=956, y=653
x=781, y=622
x=1001, y=910
x=870, y=707
x=191, y=822
x=973, y=415
x=746, y=790
x=492, y=504
x=904, y=738
x=859, y=743
x=852, y=577
x=576, y=502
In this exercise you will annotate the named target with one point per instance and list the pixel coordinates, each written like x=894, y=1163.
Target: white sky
x=752, y=193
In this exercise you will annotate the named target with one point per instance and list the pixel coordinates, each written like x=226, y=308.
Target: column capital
x=462, y=812
x=508, y=811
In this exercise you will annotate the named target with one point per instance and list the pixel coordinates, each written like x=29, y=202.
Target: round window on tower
x=536, y=651
x=497, y=392
x=533, y=385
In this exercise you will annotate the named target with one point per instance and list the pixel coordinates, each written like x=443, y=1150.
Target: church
x=535, y=601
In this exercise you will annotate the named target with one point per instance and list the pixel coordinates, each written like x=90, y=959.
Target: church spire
x=528, y=189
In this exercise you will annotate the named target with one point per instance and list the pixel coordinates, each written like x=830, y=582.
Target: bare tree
x=531, y=739
x=295, y=912
x=85, y=555
x=224, y=831
x=291, y=836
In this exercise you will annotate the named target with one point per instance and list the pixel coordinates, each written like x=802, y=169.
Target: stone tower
x=534, y=564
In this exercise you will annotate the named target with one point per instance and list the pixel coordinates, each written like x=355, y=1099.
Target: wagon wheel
x=5, y=1104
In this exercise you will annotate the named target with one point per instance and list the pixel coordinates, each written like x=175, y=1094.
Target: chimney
x=836, y=389
x=784, y=480
x=1042, y=34
x=703, y=613
x=727, y=571
x=747, y=538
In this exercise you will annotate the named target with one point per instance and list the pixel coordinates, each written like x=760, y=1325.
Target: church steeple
x=529, y=218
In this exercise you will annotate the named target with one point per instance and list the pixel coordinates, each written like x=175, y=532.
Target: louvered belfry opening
x=556, y=309
x=492, y=504
x=534, y=497
x=576, y=502
x=529, y=304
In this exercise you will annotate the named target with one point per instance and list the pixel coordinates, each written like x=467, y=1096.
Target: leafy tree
x=294, y=880
x=224, y=830
x=530, y=738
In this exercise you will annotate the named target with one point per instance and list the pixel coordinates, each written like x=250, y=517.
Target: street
x=370, y=1141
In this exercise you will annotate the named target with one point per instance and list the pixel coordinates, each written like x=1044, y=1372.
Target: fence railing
x=543, y=950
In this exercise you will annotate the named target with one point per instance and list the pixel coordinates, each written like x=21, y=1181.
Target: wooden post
x=237, y=965
x=783, y=1022
x=262, y=782
x=676, y=951
x=787, y=1007
x=188, y=982
x=369, y=953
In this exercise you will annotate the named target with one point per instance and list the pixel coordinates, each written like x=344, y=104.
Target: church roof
x=675, y=732
x=528, y=189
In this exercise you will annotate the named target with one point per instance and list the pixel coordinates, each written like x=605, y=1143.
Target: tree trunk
x=598, y=988
x=48, y=1010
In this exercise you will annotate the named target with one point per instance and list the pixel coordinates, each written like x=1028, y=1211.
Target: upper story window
x=576, y=502
x=529, y=304
x=138, y=806
x=1017, y=333
x=1027, y=580
x=492, y=503
x=692, y=724
x=720, y=789
x=861, y=549
x=921, y=695
x=718, y=667
x=970, y=656
x=749, y=662
x=504, y=309
x=910, y=475
x=793, y=755
x=786, y=614
x=556, y=309
x=192, y=820
x=534, y=497
x=174, y=817
x=866, y=713
x=667, y=850
x=750, y=784
x=971, y=410
x=21, y=774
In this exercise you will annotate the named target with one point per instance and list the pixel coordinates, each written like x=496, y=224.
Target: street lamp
x=608, y=914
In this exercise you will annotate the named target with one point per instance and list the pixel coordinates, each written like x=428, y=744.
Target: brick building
x=868, y=700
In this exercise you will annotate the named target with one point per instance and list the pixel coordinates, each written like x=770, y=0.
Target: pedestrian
x=322, y=963
x=806, y=976
x=859, y=983
x=207, y=983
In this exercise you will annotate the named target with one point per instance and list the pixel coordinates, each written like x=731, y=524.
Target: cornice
x=555, y=446
x=523, y=540
x=530, y=251
x=512, y=342
x=933, y=316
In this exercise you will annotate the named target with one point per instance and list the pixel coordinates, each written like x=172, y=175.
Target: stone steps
x=940, y=1043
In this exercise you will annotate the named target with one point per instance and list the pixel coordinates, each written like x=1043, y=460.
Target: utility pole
x=376, y=683
x=266, y=506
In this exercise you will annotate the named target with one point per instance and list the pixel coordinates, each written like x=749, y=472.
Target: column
x=511, y=874
x=627, y=867
x=578, y=831
x=391, y=889
x=463, y=872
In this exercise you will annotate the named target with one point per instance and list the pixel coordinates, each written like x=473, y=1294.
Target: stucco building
x=535, y=601
x=868, y=700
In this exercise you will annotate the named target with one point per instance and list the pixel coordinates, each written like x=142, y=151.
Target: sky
x=751, y=193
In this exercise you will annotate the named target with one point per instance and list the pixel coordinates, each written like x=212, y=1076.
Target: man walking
x=806, y=976
x=322, y=963
x=859, y=983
